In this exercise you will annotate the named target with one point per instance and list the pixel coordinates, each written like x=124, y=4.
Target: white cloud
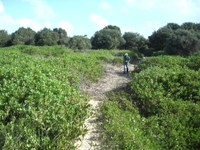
x=185, y=6
x=65, y=25
x=148, y=28
x=25, y=22
x=99, y=21
x=41, y=9
x=31, y=23
x=124, y=10
x=105, y=5
x=183, y=3
x=127, y=30
x=8, y=19
x=130, y=1
x=141, y=4
x=1, y=7
x=148, y=4
x=152, y=25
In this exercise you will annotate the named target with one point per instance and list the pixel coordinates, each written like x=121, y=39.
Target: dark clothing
x=126, y=58
x=126, y=61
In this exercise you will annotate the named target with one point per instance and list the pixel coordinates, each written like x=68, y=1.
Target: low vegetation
x=41, y=106
x=161, y=108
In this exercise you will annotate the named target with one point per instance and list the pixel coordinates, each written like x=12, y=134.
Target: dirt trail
x=112, y=79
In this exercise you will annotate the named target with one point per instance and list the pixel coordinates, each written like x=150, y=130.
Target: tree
x=182, y=42
x=79, y=42
x=62, y=35
x=173, y=26
x=24, y=36
x=113, y=28
x=134, y=41
x=107, y=38
x=46, y=37
x=158, y=39
x=198, y=27
x=188, y=26
x=4, y=38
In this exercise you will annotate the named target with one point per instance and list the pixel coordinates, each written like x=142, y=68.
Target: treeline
x=171, y=39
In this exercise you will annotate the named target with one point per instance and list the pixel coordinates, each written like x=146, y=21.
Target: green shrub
x=163, y=62
x=168, y=96
x=154, y=85
x=40, y=106
x=122, y=125
x=176, y=126
x=161, y=107
x=194, y=62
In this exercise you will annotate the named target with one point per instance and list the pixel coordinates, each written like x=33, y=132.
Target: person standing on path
x=126, y=62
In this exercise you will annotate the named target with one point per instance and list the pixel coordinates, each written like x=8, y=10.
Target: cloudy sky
x=85, y=17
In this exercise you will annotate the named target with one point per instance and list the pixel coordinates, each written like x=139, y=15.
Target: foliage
x=194, y=61
x=134, y=41
x=162, y=105
x=46, y=37
x=182, y=42
x=176, y=126
x=189, y=26
x=107, y=38
x=62, y=36
x=173, y=26
x=175, y=39
x=162, y=61
x=158, y=39
x=115, y=56
x=4, y=38
x=79, y=42
x=43, y=51
x=40, y=103
x=25, y=36
x=161, y=84
x=122, y=124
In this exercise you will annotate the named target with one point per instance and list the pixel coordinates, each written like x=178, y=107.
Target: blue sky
x=85, y=17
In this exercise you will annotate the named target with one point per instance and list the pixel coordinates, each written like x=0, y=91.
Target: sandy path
x=112, y=79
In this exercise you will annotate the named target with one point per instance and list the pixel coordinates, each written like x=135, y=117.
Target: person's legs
x=126, y=67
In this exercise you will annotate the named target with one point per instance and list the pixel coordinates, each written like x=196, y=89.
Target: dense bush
x=182, y=42
x=79, y=43
x=194, y=62
x=176, y=126
x=122, y=125
x=174, y=39
x=166, y=93
x=41, y=106
x=162, y=62
x=107, y=38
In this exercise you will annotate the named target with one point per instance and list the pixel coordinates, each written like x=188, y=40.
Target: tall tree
x=62, y=36
x=134, y=41
x=46, y=37
x=112, y=27
x=182, y=42
x=173, y=26
x=188, y=26
x=158, y=39
x=108, y=38
x=79, y=42
x=24, y=36
x=4, y=38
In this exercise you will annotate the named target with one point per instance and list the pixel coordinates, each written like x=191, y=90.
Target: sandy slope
x=112, y=79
